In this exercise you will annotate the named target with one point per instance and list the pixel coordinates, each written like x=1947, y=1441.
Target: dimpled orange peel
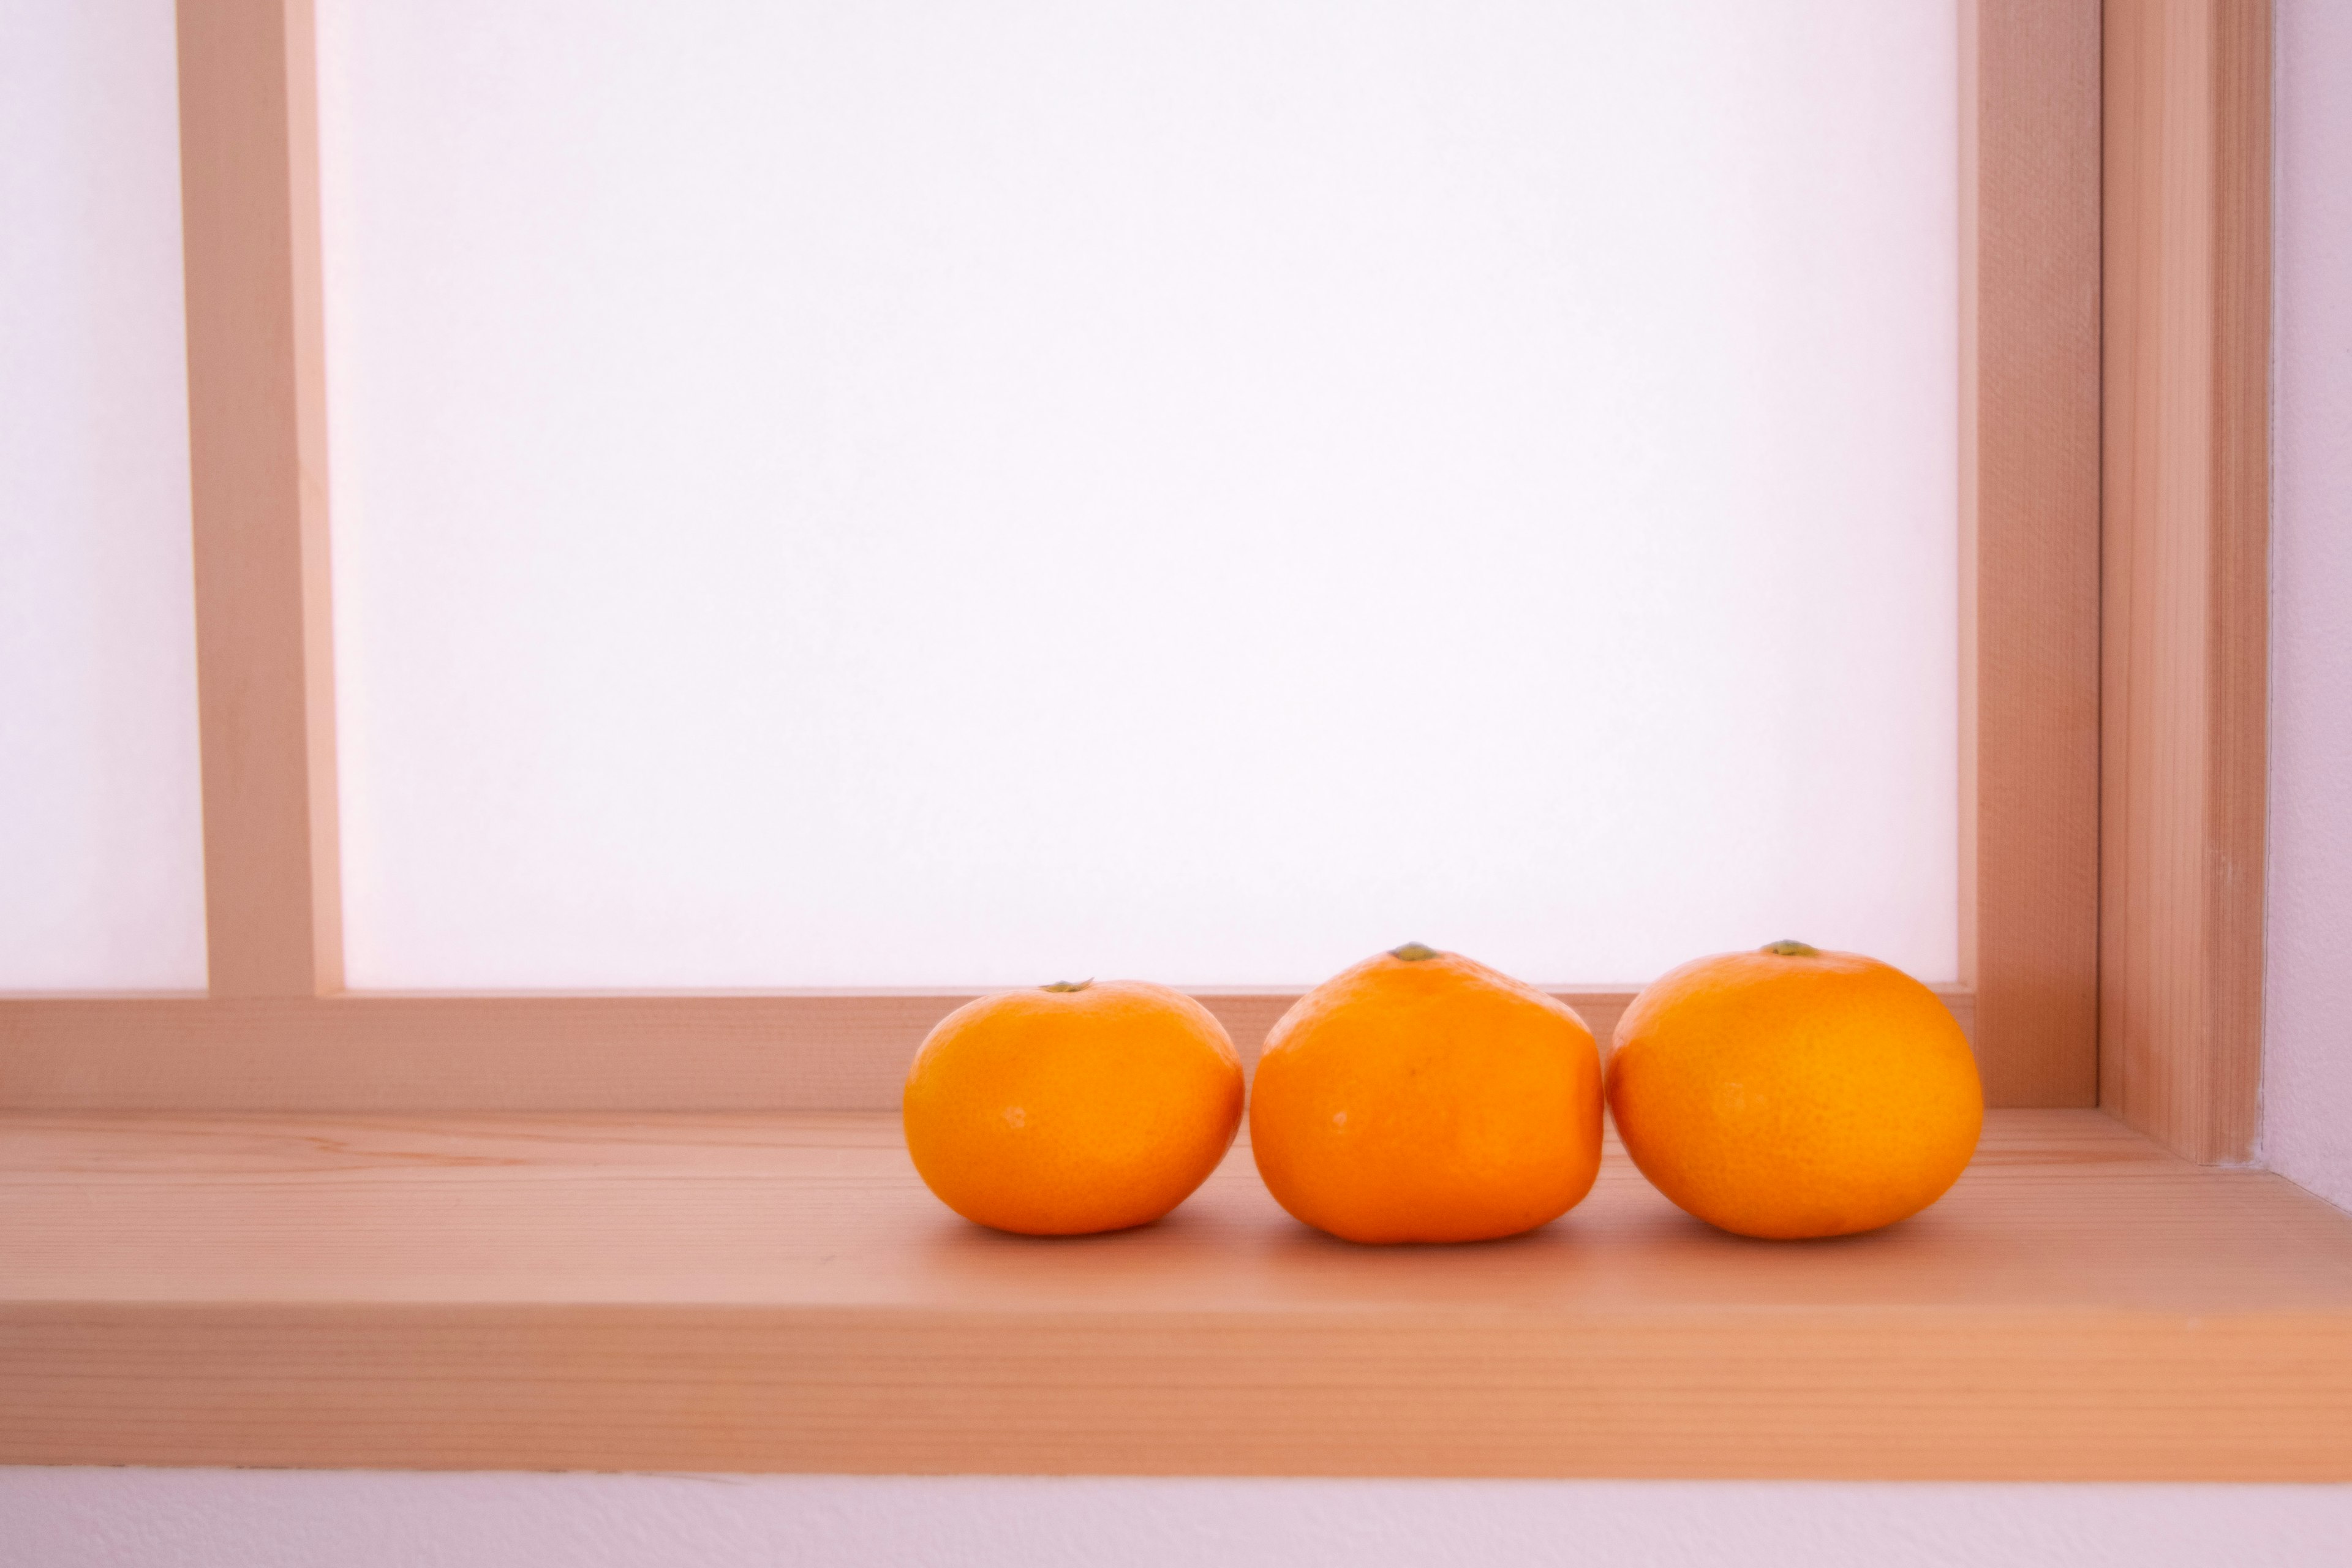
x=1790, y=1092
x=1072, y=1108
x=1422, y=1097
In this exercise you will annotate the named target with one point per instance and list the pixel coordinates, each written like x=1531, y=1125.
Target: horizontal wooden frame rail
x=390, y=1052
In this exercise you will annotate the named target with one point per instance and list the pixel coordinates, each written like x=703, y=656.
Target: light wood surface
x=256, y=448
x=2030, y=543
x=2187, y=457
x=810, y=1051
x=778, y=1292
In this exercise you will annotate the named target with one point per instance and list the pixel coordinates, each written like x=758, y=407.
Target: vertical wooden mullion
x=249, y=193
x=2030, y=543
x=2185, y=590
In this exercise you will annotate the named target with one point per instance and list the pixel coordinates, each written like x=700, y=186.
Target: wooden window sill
x=777, y=1292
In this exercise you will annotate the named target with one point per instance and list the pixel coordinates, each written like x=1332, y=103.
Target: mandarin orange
x=1791, y=1092
x=1422, y=1097
x=1072, y=1108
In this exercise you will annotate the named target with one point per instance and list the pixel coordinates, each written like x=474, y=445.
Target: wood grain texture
x=2030, y=543
x=362, y=1052
x=2186, y=549
x=256, y=430
x=778, y=1292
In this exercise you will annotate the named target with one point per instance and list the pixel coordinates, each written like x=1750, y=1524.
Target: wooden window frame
x=2114, y=440
x=470, y=1237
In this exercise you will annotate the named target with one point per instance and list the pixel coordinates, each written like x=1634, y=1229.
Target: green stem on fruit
x=1413, y=951
x=1794, y=950
x=1065, y=987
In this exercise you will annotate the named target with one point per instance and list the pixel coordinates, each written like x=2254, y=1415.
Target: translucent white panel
x=914, y=492
x=102, y=855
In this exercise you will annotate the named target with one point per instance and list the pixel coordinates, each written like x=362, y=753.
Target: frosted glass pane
x=920, y=493
x=102, y=855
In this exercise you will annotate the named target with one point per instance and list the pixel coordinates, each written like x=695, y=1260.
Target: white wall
x=2307, y=1027
x=134, y=1518
x=157, y=1519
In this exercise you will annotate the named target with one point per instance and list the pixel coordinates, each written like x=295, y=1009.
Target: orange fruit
x=1072, y=1108
x=1791, y=1092
x=1421, y=1097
